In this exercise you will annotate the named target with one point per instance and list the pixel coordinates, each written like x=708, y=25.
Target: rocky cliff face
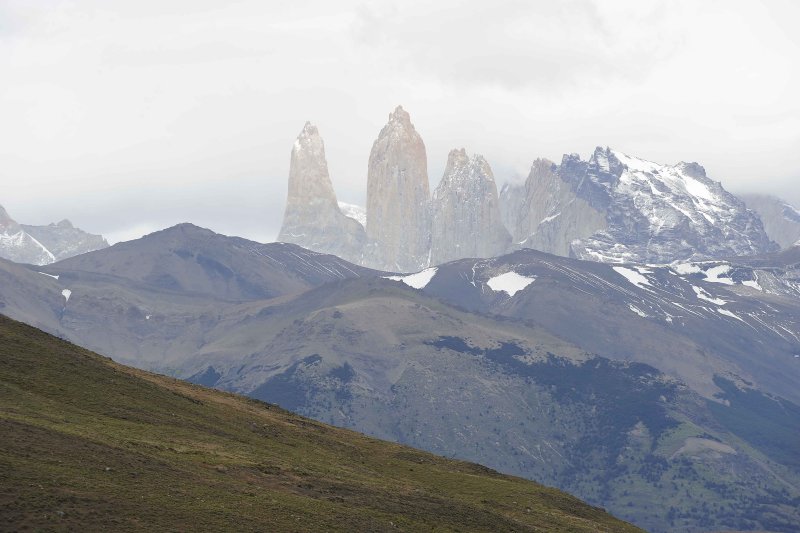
x=616, y=208
x=398, y=198
x=64, y=240
x=550, y=214
x=42, y=245
x=312, y=218
x=465, y=211
x=781, y=220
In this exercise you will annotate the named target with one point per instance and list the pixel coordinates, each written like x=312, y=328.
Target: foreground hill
x=90, y=444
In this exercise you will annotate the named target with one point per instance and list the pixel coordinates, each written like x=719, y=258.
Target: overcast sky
x=130, y=116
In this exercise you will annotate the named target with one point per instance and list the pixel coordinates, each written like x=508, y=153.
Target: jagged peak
x=309, y=129
x=5, y=219
x=462, y=169
x=400, y=115
x=693, y=169
x=308, y=137
x=456, y=158
x=541, y=164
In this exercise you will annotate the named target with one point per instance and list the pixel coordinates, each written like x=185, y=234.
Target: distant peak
x=5, y=218
x=65, y=224
x=309, y=130
x=400, y=115
x=604, y=151
x=457, y=154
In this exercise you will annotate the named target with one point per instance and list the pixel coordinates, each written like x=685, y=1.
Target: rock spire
x=466, y=215
x=398, y=197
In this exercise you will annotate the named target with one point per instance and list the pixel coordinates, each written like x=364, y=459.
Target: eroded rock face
x=465, y=211
x=550, y=214
x=781, y=220
x=398, y=198
x=312, y=218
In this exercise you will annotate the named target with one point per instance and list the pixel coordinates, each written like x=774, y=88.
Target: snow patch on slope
x=510, y=283
x=632, y=276
x=713, y=274
x=703, y=295
x=418, y=280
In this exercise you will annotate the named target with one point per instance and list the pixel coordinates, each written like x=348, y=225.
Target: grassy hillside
x=88, y=444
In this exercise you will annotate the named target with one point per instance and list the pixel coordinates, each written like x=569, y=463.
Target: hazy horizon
x=128, y=117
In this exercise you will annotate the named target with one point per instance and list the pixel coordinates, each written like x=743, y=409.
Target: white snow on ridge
x=713, y=275
x=632, y=276
x=637, y=311
x=509, y=283
x=753, y=284
x=48, y=275
x=551, y=217
x=697, y=189
x=418, y=280
x=355, y=212
x=66, y=293
x=728, y=313
x=686, y=268
x=703, y=295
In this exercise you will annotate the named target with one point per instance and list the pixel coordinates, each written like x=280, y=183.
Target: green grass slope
x=87, y=444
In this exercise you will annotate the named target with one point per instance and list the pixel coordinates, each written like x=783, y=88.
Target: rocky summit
x=398, y=196
x=465, y=211
x=312, y=218
x=615, y=208
x=42, y=245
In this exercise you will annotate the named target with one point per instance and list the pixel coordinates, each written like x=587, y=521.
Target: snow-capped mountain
x=42, y=245
x=612, y=208
x=617, y=208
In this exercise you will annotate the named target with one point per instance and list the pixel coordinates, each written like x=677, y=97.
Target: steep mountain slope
x=41, y=245
x=559, y=370
x=781, y=220
x=17, y=245
x=618, y=208
x=89, y=444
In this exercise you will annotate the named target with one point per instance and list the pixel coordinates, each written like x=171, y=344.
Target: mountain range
x=665, y=394
x=623, y=330
x=41, y=245
x=612, y=207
